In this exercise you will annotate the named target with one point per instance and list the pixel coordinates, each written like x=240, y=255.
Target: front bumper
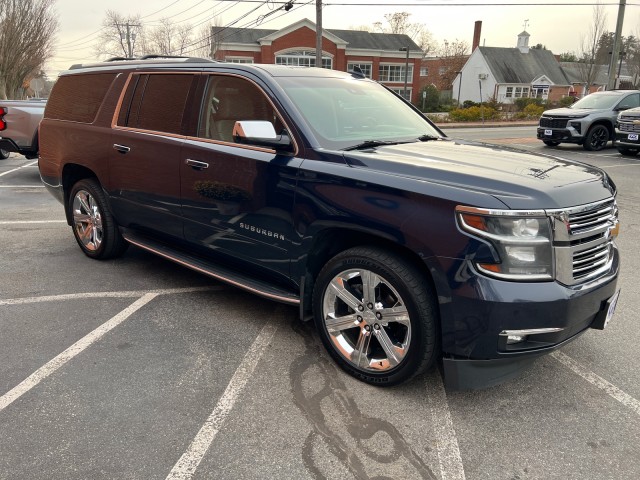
x=622, y=140
x=476, y=355
x=563, y=135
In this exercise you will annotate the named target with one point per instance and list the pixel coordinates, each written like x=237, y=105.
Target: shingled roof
x=353, y=38
x=510, y=65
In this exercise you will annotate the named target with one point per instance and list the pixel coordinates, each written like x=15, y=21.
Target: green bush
x=522, y=103
x=469, y=103
x=530, y=112
x=567, y=101
x=432, y=99
x=474, y=114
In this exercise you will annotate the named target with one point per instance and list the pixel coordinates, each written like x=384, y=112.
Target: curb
x=445, y=126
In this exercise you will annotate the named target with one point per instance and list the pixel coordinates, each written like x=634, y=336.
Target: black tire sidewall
x=423, y=323
x=93, y=188
x=590, y=133
x=4, y=154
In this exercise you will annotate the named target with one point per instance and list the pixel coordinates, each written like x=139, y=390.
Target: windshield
x=344, y=112
x=595, y=101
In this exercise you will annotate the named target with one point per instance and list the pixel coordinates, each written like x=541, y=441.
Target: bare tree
x=168, y=38
x=398, y=22
x=27, y=29
x=453, y=55
x=121, y=36
x=590, y=63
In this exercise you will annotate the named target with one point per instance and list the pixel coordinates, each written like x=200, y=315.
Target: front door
x=237, y=199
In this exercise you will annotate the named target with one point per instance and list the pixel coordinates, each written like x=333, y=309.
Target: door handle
x=121, y=148
x=196, y=164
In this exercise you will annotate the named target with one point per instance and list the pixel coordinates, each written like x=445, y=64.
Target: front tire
x=94, y=227
x=376, y=315
x=596, y=138
x=628, y=152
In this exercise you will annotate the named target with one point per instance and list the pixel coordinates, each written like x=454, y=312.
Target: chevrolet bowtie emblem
x=636, y=122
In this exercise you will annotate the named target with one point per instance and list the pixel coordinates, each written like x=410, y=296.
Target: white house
x=509, y=73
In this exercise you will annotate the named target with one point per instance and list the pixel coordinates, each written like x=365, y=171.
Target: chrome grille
x=629, y=127
x=583, y=241
x=589, y=220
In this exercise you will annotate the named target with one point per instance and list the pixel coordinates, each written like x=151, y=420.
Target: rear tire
x=376, y=315
x=93, y=225
x=4, y=154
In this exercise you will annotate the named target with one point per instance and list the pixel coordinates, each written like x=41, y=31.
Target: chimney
x=476, y=35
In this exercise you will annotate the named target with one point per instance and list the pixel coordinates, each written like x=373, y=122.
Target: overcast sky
x=558, y=24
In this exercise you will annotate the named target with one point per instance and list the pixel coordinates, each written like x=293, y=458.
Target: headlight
x=521, y=242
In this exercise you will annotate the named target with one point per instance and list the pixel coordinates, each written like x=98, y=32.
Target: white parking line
x=28, y=222
x=122, y=294
x=50, y=367
x=598, y=381
x=449, y=458
x=21, y=186
x=19, y=168
x=189, y=461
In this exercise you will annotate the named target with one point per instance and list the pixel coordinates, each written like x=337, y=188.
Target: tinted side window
x=156, y=102
x=229, y=99
x=77, y=98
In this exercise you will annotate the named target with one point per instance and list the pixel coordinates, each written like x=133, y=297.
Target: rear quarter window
x=155, y=102
x=77, y=98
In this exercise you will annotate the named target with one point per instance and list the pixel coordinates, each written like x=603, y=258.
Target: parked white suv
x=588, y=122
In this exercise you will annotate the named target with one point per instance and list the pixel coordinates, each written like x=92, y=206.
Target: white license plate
x=613, y=301
x=549, y=133
x=632, y=136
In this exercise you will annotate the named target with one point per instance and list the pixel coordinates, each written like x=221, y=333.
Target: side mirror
x=622, y=107
x=260, y=133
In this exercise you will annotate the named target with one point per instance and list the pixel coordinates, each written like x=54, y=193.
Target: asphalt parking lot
x=140, y=369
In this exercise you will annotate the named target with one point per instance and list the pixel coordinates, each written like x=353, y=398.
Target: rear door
x=144, y=166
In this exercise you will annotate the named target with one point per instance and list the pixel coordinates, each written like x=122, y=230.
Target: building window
x=393, y=73
x=400, y=91
x=238, y=59
x=442, y=71
x=509, y=92
x=365, y=67
x=303, y=58
x=525, y=92
x=424, y=71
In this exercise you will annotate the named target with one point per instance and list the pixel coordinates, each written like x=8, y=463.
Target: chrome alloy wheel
x=87, y=220
x=367, y=320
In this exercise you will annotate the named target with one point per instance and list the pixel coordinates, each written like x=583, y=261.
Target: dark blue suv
x=325, y=190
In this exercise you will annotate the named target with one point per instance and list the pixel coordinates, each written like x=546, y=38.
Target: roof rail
x=143, y=59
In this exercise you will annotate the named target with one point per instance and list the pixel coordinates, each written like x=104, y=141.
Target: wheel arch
x=71, y=174
x=608, y=124
x=331, y=241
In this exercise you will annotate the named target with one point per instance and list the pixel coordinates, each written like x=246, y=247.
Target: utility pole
x=319, y=33
x=128, y=36
x=612, y=83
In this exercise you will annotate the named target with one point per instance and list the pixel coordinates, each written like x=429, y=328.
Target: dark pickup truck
x=323, y=189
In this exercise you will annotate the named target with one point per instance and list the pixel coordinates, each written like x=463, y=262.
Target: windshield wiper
x=370, y=144
x=426, y=138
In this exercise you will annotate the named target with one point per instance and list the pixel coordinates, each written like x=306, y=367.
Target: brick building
x=380, y=56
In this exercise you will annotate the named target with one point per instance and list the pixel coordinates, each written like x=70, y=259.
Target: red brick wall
x=304, y=37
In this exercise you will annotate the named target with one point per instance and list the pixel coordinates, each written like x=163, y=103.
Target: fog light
x=511, y=339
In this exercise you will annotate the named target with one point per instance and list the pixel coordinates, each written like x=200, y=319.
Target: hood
x=571, y=112
x=521, y=180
